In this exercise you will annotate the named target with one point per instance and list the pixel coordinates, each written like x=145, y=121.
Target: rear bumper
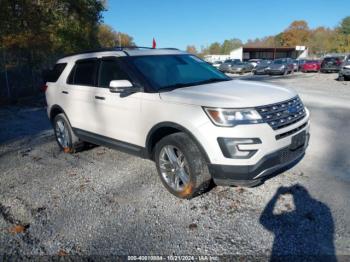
x=330, y=69
x=270, y=165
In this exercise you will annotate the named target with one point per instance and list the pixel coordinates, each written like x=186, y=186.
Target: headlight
x=232, y=117
x=268, y=68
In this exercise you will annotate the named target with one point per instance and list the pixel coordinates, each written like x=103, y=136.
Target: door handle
x=100, y=97
x=65, y=92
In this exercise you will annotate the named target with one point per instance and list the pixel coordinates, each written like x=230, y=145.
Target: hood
x=229, y=94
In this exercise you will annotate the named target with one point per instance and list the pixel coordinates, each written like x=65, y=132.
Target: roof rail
x=116, y=48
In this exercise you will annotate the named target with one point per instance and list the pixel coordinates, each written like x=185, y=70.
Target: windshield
x=165, y=72
x=279, y=62
x=264, y=62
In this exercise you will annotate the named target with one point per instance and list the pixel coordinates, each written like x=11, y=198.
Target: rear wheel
x=65, y=137
x=181, y=166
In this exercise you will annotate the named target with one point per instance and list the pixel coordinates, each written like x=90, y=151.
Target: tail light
x=338, y=62
x=44, y=88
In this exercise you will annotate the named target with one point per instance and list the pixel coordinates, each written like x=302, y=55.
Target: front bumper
x=270, y=165
x=233, y=171
x=260, y=71
x=344, y=72
x=275, y=71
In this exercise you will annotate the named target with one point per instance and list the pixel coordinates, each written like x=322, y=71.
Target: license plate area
x=298, y=141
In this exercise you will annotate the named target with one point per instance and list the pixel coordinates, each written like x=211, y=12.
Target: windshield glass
x=279, y=62
x=175, y=71
x=264, y=62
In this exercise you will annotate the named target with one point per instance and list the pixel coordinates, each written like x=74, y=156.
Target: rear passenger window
x=110, y=70
x=84, y=73
x=54, y=74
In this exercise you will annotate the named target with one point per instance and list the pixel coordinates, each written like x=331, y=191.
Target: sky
x=178, y=23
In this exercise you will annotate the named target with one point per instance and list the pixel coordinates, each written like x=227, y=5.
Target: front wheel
x=181, y=166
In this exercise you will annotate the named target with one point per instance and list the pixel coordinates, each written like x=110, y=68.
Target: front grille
x=290, y=132
x=283, y=114
x=288, y=155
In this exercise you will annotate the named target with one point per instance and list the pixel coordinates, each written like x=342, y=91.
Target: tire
x=70, y=143
x=194, y=165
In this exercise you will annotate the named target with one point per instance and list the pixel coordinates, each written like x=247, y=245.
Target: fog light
x=230, y=149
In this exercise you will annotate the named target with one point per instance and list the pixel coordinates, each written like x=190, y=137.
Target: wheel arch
x=160, y=130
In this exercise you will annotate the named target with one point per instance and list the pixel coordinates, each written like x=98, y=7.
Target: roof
x=252, y=48
x=121, y=51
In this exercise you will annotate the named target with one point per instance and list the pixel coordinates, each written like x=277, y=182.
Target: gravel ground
x=104, y=202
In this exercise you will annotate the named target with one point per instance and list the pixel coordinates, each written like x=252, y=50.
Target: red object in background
x=44, y=88
x=154, y=44
x=311, y=66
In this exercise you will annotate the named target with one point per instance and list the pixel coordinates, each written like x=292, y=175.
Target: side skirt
x=111, y=143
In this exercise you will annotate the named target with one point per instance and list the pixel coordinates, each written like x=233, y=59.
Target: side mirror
x=120, y=86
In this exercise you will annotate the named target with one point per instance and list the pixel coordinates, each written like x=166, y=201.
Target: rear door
x=79, y=90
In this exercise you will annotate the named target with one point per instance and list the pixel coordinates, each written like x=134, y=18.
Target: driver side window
x=110, y=70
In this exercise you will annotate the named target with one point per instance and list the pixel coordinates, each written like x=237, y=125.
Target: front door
x=114, y=116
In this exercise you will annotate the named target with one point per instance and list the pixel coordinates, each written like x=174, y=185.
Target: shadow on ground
x=19, y=122
x=305, y=230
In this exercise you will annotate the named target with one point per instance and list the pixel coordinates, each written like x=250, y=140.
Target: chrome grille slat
x=282, y=114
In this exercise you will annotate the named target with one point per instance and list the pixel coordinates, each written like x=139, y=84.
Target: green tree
x=229, y=45
x=321, y=41
x=215, y=48
x=343, y=36
x=344, y=27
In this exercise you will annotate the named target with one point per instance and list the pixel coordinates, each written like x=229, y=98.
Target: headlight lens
x=232, y=117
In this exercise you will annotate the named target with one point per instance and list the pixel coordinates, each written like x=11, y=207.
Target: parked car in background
x=311, y=66
x=217, y=64
x=332, y=64
x=344, y=73
x=226, y=65
x=239, y=68
x=301, y=62
x=295, y=65
x=254, y=62
x=260, y=69
x=282, y=66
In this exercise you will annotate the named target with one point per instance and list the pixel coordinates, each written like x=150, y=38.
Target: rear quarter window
x=55, y=73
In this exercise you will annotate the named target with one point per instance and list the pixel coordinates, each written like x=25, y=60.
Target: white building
x=246, y=53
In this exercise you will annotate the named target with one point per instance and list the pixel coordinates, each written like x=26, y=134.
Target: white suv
x=169, y=106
